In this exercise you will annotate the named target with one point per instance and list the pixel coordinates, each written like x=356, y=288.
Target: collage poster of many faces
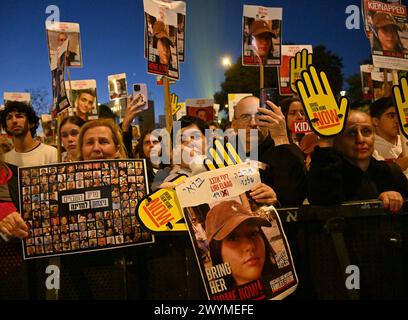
x=83, y=206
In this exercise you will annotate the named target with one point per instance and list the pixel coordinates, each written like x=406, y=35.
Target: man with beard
x=21, y=122
x=281, y=163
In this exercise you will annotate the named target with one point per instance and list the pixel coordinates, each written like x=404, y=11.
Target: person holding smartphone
x=281, y=162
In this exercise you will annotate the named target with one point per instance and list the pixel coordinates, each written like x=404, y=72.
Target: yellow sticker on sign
x=161, y=211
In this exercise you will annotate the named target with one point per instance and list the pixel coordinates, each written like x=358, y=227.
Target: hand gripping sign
x=326, y=115
x=400, y=94
x=161, y=211
x=297, y=64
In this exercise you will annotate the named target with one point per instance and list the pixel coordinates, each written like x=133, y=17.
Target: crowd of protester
x=364, y=162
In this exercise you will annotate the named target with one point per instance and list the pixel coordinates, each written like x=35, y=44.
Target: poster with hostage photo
x=261, y=36
x=24, y=97
x=60, y=101
x=387, y=27
x=79, y=207
x=83, y=97
x=200, y=108
x=57, y=34
x=241, y=248
x=117, y=86
x=161, y=39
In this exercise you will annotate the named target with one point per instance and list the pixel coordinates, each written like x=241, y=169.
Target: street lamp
x=226, y=62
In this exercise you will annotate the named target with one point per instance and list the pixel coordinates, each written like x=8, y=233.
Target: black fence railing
x=324, y=241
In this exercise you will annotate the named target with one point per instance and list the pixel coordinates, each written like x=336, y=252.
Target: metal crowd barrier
x=324, y=241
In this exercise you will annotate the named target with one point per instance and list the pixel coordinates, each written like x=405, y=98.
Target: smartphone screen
x=266, y=94
x=140, y=92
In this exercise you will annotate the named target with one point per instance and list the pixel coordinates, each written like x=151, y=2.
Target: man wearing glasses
x=281, y=163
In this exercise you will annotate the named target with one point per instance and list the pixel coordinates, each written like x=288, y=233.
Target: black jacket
x=286, y=171
x=332, y=179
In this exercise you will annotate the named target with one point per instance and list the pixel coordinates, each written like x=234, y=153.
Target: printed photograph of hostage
x=163, y=42
x=261, y=42
x=162, y=55
x=386, y=37
x=235, y=237
x=85, y=103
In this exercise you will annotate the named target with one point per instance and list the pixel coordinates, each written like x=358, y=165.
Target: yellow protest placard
x=161, y=211
x=326, y=115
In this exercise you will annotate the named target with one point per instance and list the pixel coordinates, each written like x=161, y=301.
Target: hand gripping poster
x=261, y=36
x=388, y=33
x=83, y=97
x=161, y=29
x=241, y=248
x=57, y=34
x=84, y=206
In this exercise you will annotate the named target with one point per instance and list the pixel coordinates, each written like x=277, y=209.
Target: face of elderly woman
x=98, y=144
x=356, y=143
x=244, y=249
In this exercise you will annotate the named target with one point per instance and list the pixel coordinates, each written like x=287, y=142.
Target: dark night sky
x=112, y=41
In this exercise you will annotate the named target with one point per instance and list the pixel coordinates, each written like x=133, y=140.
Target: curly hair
x=20, y=107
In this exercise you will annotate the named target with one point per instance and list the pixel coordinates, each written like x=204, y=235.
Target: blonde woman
x=100, y=139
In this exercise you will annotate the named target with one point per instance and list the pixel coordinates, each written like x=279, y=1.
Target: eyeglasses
x=246, y=118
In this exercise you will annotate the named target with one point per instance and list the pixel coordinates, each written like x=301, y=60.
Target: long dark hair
x=285, y=106
x=269, y=265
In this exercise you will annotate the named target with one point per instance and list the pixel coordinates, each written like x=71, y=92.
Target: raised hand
x=326, y=115
x=297, y=64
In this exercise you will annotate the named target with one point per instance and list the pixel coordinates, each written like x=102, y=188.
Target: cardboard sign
x=60, y=101
x=200, y=108
x=161, y=211
x=400, y=95
x=220, y=215
x=300, y=127
x=261, y=36
x=175, y=106
x=221, y=156
x=24, y=97
x=79, y=207
x=83, y=97
x=57, y=34
x=161, y=42
x=117, y=86
x=386, y=26
x=326, y=116
x=286, y=78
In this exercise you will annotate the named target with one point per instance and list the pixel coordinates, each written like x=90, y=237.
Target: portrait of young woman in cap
x=235, y=237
